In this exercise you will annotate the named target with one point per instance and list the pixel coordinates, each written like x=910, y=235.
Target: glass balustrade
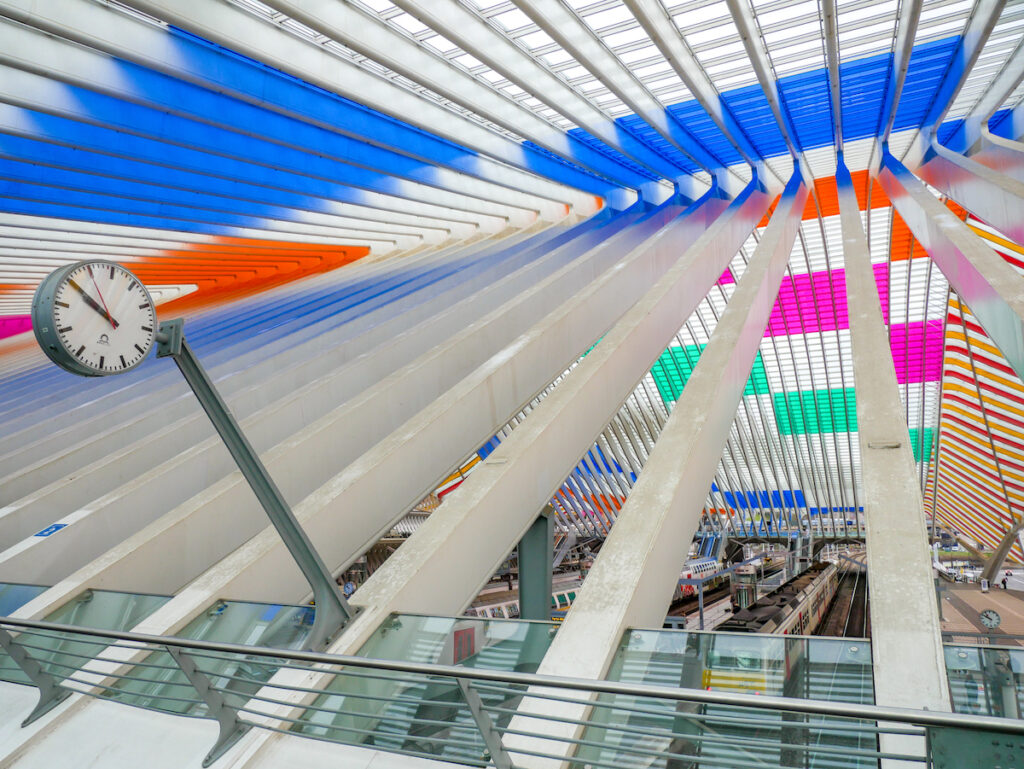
x=986, y=680
x=158, y=683
x=61, y=654
x=13, y=596
x=835, y=670
x=423, y=715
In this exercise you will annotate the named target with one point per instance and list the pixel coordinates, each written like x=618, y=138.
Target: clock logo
x=94, y=318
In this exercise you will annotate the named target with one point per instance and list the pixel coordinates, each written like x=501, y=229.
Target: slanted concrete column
x=988, y=194
x=990, y=287
x=906, y=644
x=995, y=561
x=536, y=552
x=444, y=563
x=634, y=576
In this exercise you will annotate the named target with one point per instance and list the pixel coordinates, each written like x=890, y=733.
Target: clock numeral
x=101, y=361
x=123, y=363
x=65, y=305
x=144, y=305
x=63, y=330
x=145, y=328
x=133, y=286
x=111, y=272
x=78, y=352
x=141, y=351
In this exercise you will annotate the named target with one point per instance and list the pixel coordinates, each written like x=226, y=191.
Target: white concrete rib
x=315, y=409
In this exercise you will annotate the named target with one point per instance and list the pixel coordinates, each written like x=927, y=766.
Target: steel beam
x=106, y=29
x=569, y=31
x=974, y=128
x=633, y=578
x=831, y=30
x=85, y=78
x=464, y=27
x=1004, y=154
x=54, y=112
x=366, y=33
x=979, y=26
x=241, y=31
x=332, y=610
x=906, y=642
x=906, y=30
x=990, y=287
x=1001, y=155
x=655, y=20
x=535, y=558
x=746, y=25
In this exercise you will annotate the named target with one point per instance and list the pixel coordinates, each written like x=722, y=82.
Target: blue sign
x=50, y=529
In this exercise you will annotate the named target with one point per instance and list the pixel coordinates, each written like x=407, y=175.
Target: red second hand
x=113, y=323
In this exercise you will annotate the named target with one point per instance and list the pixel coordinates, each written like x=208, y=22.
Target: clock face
x=990, y=619
x=94, y=318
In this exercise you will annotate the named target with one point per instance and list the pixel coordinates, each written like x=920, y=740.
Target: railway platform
x=962, y=605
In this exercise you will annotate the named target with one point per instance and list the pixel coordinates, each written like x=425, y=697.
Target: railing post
x=231, y=726
x=50, y=692
x=492, y=739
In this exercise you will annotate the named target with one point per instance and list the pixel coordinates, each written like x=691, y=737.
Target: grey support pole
x=700, y=603
x=332, y=610
x=535, y=558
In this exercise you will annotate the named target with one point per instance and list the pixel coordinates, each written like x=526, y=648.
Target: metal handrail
x=759, y=702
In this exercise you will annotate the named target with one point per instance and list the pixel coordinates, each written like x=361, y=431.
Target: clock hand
x=100, y=295
x=92, y=302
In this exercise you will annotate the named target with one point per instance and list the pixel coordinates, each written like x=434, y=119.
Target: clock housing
x=94, y=318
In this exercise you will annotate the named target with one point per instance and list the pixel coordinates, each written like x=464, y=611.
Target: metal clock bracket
x=333, y=612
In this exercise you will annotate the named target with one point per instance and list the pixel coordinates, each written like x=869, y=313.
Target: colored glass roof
x=226, y=153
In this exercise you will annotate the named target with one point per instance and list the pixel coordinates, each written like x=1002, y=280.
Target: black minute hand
x=92, y=302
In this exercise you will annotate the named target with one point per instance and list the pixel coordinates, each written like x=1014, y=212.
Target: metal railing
x=982, y=639
x=464, y=714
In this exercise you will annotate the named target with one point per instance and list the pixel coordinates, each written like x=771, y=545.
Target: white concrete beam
x=991, y=287
x=117, y=33
x=463, y=541
x=1001, y=155
x=578, y=39
x=317, y=426
x=261, y=569
x=656, y=21
x=993, y=197
x=906, y=640
x=636, y=573
x=478, y=38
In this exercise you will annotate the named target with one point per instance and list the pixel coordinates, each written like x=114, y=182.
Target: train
x=561, y=600
x=796, y=608
x=697, y=568
x=765, y=565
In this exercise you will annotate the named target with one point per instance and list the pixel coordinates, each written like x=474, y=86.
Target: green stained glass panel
x=922, y=446
x=672, y=370
x=816, y=411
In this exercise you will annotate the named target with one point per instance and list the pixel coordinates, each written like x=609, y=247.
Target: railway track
x=689, y=605
x=848, y=616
